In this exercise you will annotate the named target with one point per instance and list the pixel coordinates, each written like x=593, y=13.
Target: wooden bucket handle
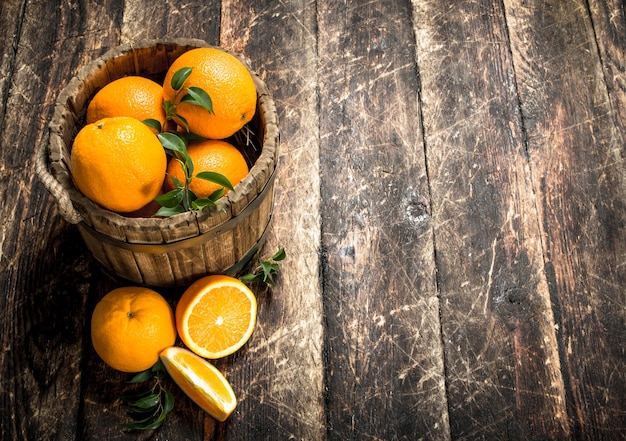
x=66, y=207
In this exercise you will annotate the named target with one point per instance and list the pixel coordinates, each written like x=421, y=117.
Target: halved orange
x=201, y=381
x=216, y=316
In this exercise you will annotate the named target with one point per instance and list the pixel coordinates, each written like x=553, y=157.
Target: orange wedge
x=216, y=316
x=201, y=381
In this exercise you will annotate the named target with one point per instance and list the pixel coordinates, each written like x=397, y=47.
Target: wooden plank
x=45, y=277
x=502, y=365
x=384, y=373
x=576, y=145
x=280, y=373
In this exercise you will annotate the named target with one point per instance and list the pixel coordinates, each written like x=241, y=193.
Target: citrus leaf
x=200, y=203
x=169, y=211
x=147, y=402
x=192, y=196
x=168, y=399
x=170, y=109
x=173, y=142
x=177, y=183
x=280, y=255
x=148, y=425
x=138, y=417
x=192, y=137
x=216, y=178
x=179, y=77
x=158, y=421
x=170, y=199
x=199, y=97
x=265, y=270
x=181, y=121
x=141, y=377
x=152, y=123
x=250, y=278
x=217, y=194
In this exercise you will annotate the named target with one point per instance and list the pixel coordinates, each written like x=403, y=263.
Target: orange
x=216, y=316
x=227, y=81
x=201, y=381
x=211, y=155
x=118, y=163
x=133, y=96
x=130, y=326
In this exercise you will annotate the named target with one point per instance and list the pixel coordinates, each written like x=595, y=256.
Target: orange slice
x=216, y=316
x=201, y=381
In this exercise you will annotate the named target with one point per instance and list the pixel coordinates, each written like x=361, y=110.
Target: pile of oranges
x=117, y=159
x=134, y=327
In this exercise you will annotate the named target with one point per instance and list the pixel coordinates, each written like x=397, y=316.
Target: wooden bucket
x=177, y=250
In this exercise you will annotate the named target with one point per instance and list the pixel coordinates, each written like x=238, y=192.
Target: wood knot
x=417, y=211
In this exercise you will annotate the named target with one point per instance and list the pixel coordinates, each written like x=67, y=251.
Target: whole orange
x=212, y=155
x=130, y=326
x=227, y=81
x=134, y=96
x=118, y=163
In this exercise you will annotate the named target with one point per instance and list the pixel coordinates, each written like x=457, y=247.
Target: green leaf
x=217, y=194
x=199, y=97
x=177, y=183
x=172, y=198
x=169, y=211
x=152, y=123
x=265, y=270
x=192, y=137
x=141, y=377
x=250, y=278
x=146, y=402
x=217, y=178
x=168, y=404
x=181, y=121
x=176, y=145
x=173, y=142
x=179, y=77
x=147, y=425
x=144, y=417
x=200, y=203
x=170, y=109
x=150, y=407
x=280, y=255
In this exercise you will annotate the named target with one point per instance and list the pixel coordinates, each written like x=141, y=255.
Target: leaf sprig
x=265, y=271
x=193, y=95
x=181, y=198
x=149, y=407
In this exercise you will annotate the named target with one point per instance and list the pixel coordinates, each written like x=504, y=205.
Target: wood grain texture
x=576, y=153
x=450, y=195
x=502, y=367
x=384, y=373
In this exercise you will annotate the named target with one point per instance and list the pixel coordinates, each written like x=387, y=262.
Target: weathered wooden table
x=451, y=196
